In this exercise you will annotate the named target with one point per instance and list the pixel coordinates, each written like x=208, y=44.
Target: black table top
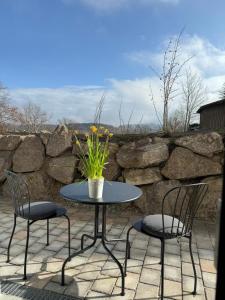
x=113, y=193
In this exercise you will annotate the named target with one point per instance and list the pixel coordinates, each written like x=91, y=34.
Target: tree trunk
x=165, y=117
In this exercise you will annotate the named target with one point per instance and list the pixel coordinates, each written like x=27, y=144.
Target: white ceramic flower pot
x=95, y=188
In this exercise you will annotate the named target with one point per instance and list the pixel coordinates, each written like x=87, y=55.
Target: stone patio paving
x=93, y=275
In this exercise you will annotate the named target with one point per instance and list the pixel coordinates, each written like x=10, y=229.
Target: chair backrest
x=183, y=203
x=19, y=192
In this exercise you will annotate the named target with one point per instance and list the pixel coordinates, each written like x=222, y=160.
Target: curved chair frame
x=186, y=203
x=21, y=199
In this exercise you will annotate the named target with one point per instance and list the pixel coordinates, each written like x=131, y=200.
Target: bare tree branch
x=222, y=92
x=33, y=118
x=129, y=120
x=99, y=109
x=194, y=95
x=154, y=105
x=8, y=112
x=122, y=126
x=171, y=71
x=128, y=127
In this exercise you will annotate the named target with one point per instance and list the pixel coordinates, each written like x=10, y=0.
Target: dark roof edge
x=219, y=102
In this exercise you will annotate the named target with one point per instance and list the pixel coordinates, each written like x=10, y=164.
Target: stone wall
x=156, y=164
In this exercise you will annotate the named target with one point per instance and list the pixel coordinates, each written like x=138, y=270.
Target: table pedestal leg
x=83, y=237
x=97, y=235
x=110, y=253
x=72, y=256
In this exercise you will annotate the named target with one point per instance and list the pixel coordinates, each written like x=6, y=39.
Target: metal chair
x=179, y=208
x=31, y=211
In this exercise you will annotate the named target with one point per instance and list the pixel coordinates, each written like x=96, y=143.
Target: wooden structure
x=212, y=115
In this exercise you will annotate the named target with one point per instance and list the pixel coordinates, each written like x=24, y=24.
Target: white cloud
x=207, y=59
x=79, y=102
x=104, y=6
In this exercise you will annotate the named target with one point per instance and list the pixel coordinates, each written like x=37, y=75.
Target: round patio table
x=113, y=193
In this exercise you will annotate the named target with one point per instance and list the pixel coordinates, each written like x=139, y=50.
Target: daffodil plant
x=96, y=156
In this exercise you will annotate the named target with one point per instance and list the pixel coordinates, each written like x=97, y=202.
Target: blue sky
x=63, y=54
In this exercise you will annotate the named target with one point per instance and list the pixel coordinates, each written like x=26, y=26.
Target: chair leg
x=193, y=265
x=162, y=268
x=127, y=253
x=26, y=250
x=47, y=244
x=128, y=250
x=10, y=241
x=161, y=252
x=82, y=241
x=68, y=219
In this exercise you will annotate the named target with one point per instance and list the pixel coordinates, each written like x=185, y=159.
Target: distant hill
x=81, y=127
x=84, y=127
x=22, y=128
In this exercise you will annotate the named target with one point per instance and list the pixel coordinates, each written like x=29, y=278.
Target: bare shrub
x=8, y=112
x=32, y=117
x=170, y=73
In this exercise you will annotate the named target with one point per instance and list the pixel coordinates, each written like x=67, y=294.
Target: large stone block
x=80, y=150
x=80, y=166
x=44, y=135
x=135, y=156
x=143, y=203
x=62, y=168
x=184, y=164
x=9, y=142
x=219, y=158
x=59, y=142
x=112, y=170
x=113, y=149
x=142, y=176
x=39, y=186
x=29, y=156
x=202, y=143
x=208, y=208
x=162, y=140
x=5, y=163
x=151, y=200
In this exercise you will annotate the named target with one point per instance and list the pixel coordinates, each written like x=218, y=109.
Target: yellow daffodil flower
x=94, y=129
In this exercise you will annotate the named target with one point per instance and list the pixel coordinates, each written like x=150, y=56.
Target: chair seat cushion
x=153, y=225
x=40, y=210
